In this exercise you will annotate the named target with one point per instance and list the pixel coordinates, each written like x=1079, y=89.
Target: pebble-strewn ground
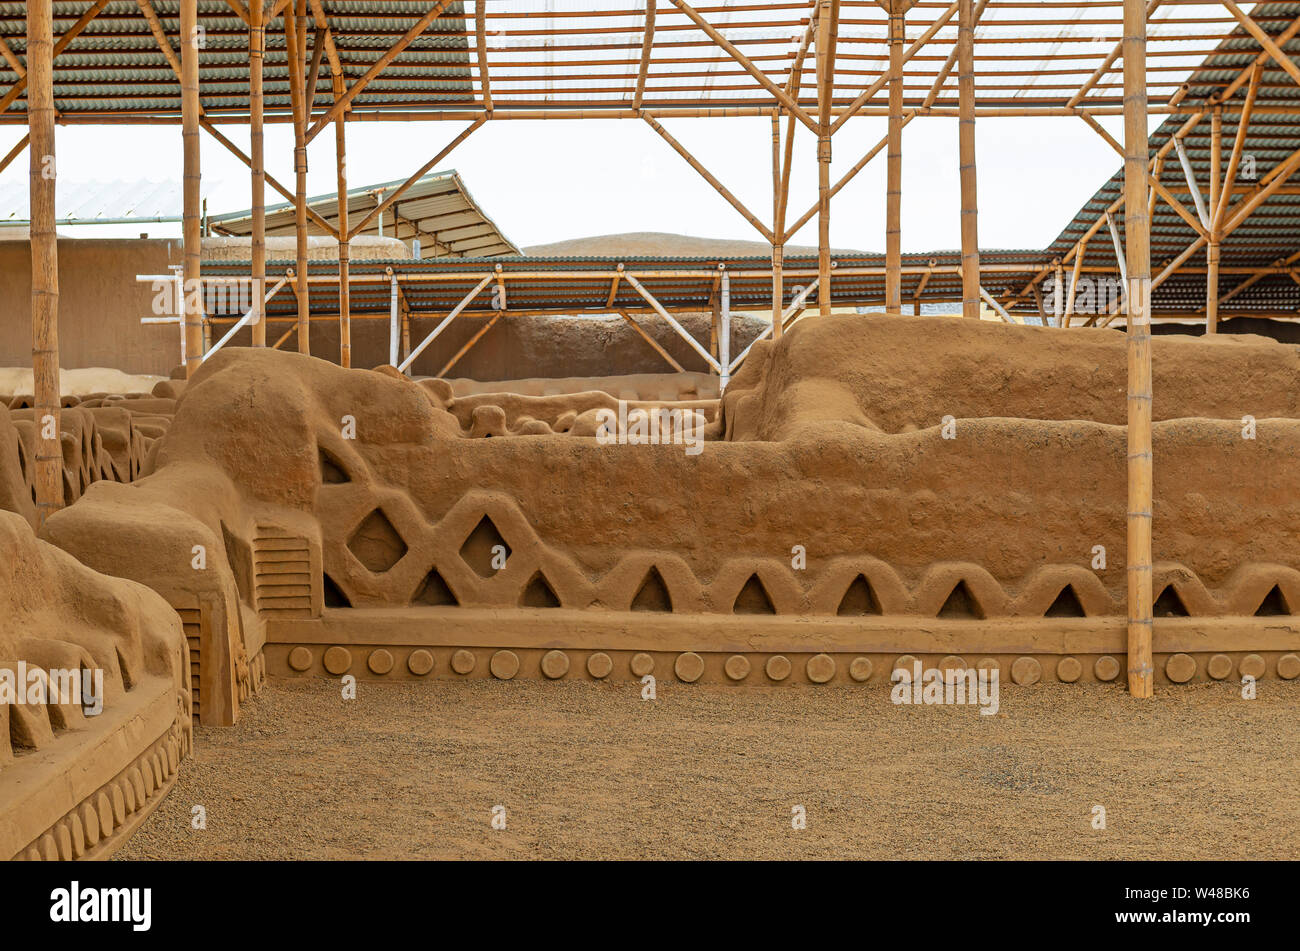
x=591, y=771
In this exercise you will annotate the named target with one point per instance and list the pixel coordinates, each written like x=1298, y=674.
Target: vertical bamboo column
x=257, y=149
x=45, y=256
x=345, y=290
x=1058, y=293
x=191, y=229
x=894, y=167
x=826, y=17
x=778, y=227
x=1212, y=250
x=970, y=237
x=1137, y=234
x=294, y=32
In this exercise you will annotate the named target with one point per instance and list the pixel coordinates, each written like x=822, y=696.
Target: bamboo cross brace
x=1074, y=284
x=331, y=49
x=241, y=11
x=1243, y=126
x=647, y=44
x=270, y=179
x=998, y=308
x=1119, y=250
x=1152, y=181
x=1107, y=63
x=672, y=321
x=446, y=322
x=1264, y=40
x=313, y=74
x=246, y=319
x=74, y=31
x=400, y=190
x=865, y=96
x=847, y=177
x=14, y=62
x=16, y=151
x=946, y=70
x=378, y=67
x=658, y=348
x=469, y=344
x=763, y=79
x=709, y=177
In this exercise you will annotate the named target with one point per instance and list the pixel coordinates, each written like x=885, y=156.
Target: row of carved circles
x=689, y=666
x=102, y=813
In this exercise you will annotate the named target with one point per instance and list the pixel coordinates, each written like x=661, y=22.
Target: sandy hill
x=661, y=244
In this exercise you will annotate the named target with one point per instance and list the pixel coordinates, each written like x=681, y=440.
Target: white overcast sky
x=544, y=181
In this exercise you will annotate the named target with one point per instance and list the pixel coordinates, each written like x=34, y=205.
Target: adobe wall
x=524, y=347
x=100, y=305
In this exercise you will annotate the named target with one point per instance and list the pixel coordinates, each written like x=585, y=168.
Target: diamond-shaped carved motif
x=376, y=543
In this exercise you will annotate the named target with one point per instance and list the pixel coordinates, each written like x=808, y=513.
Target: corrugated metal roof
x=99, y=202
x=1268, y=236
x=437, y=210
x=679, y=283
x=588, y=56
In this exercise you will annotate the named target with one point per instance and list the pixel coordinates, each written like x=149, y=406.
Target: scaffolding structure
x=319, y=65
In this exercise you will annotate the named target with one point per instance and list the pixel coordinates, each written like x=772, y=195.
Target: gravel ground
x=592, y=771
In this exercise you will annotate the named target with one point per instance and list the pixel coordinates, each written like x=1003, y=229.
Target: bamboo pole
x=827, y=16
x=970, y=241
x=647, y=44
x=1239, y=142
x=257, y=150
x=345, y=289
x=1212, y=249
x=294, y=26
x=480, y=44
x=866, y=95
x=191, y=225
x=894, y=166
x=45, y=257
x=778, y=226
x=1138, y=253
